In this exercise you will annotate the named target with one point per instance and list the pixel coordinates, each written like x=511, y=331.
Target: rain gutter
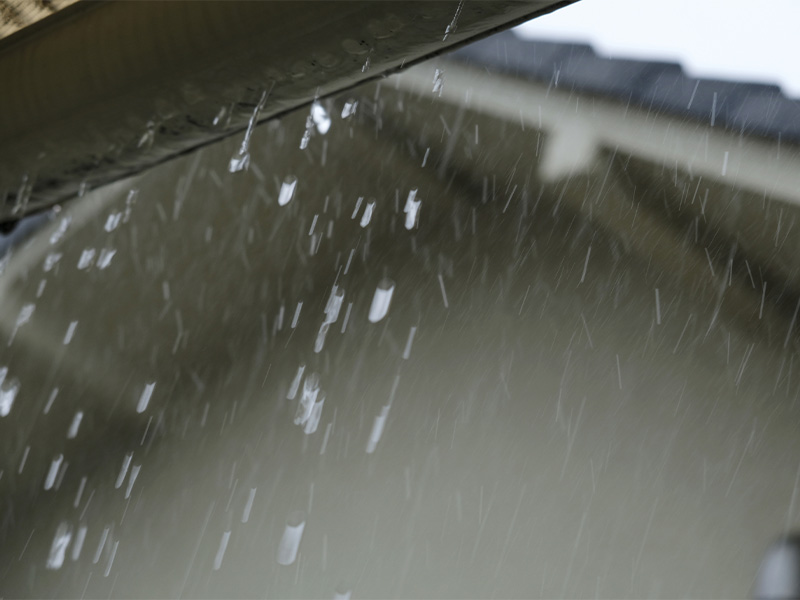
x=100, y=91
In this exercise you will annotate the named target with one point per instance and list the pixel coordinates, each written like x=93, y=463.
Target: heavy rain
x=462, y=331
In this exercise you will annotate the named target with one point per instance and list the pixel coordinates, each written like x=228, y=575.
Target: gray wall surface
x=575, y=416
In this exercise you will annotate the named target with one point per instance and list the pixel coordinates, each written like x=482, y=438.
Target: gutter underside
x=102, y=91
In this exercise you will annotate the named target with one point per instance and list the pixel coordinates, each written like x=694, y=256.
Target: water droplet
x=241, y=159
x=219, y=116
x=248, y=505
x=412, y=210
x=377, y=429
x=367, y=216
x=349, y=108
x=319, y=342
x=58, y=549
x=295, y=383
x=130, y=201
x=70, y=332
x=87, y=259
x=79, y=540
x=55, y=465
x=132, y=479
x=126, y=463
x=50, y=261
x=8, y=392
x=50, y=400
x=112, y=222
x=444, y=292
x=25, y=314
x=321, y=118
x=438, y=82
x=454, y=23
x=144, y=399
x=76, y=423
x=381, y=300
x=223, y=544
x=296, y=315
x=407, y=351
x=105, y=258
x=100, y=546
x=355, y=210
x=306, y=134
x=287, y=190
x=312, y=422
x=63, y=225
x=290, y=541
x=308, y=399
x=334, y=305
x=111, y=558
x=148, y=136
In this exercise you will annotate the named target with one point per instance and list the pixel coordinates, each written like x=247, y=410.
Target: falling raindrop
x=63, y=225
x=111, y=558
x=349, y=108
x=377, y=429
x=51, y=260
x=148, y=136
x=25, y=314
x=112, y=221
x=241, y=159
x=321, y=118
x=290, y=541
x=438, y=82
x=292, y=393
x=358, y=205
x=144, y=399
x=55, y=465
x=9, y=387
x=248, y=505
x=368, y=210
x=412, y=210
x=319, y=342
x=98, y=553
x=58, y=549
x=223, y=544
x=126, y=463
x=76, y=423
x=296, y=315
x=407, y=350
x=132, y=479
x=307, y=400
x=287, y=190
x=444, y=292
x=105, y=258
x=70, y=332
x=80, y=538
x=312, y=423
x=454, y=23
x=50, y=400
x=87, y=259
x=334, y=305
x=381, y=300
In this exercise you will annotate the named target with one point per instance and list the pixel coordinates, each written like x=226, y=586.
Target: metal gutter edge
x=103, y=90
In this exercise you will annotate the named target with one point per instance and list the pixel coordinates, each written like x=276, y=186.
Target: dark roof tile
x=738, y=106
